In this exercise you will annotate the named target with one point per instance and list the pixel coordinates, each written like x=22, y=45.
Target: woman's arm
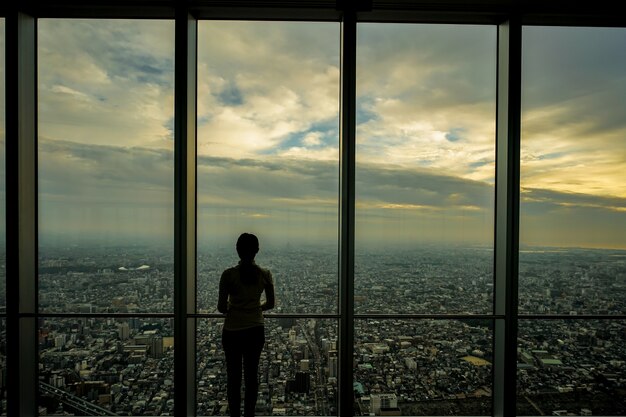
x=222, y=301
x=269, y=296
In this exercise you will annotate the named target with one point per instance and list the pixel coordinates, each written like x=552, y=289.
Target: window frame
x=21, y=170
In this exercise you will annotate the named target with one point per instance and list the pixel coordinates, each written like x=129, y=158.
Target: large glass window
x=268, y=164
x=572, y=221
x=106, y=202
x=575, y=367
x=573, y=187
x=425, y=172
x=95, y=366
x=298, y=371
x=268, y=118
x=425, y=168
x=268, y=123
x=423, y=367
x=106, y=170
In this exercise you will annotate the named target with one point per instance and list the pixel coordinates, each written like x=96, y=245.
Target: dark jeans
x=243, y=346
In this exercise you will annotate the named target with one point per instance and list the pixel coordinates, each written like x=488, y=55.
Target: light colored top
x=242, y=302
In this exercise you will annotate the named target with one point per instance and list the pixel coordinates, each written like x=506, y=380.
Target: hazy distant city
x=95, y=366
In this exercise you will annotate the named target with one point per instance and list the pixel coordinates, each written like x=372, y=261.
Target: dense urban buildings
x=417, y=366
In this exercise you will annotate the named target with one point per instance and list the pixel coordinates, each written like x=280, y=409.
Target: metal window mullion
x=185, y=213
x=21, y=213
x=347, y=142
x=508, y=129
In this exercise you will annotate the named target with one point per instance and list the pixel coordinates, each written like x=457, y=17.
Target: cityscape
x=402, y=366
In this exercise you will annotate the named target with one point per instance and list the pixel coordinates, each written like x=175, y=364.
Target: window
x=268, y=164
x=378, y=163
x=424, y=217
x=268, y=156
x=572, y=221
x=106, y=202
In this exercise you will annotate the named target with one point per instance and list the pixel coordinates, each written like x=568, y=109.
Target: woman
x=243, y=335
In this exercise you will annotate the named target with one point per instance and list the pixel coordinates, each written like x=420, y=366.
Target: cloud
x=108, y=193
x=268, y=115
x=552, y=218
x=554, y=199
x=114, y=190
x=284, y=79
x=267, y=184
x=93, y=165
x=312, y=139
x=573, y=114
x=420, y=187
x=426, y=97
x=111, y=81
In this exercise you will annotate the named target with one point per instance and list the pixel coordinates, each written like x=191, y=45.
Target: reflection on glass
x=268, y=106
x=298, y=370
x=573, y=159
x=106, y=170
x=425, y=167
x=423, y=367
x=90, y=366
x=575, y=367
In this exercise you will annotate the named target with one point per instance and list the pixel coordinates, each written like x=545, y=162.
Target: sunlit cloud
x=424, y=108
x=276, y=98
x=111, y=85
x=573, y=125
x=392, y=206
x=255, y=215
x=268, y=131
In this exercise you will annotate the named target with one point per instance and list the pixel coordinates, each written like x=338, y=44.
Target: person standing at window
x=243, y=335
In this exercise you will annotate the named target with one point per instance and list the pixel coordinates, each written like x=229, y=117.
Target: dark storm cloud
x=264, y=182
x=420, y=187
x=549, y=218
x=432, y=66
x=539, y=201
x=258, y=183
x=77, y=175
x=67, y=168
x=578, y=69
x=107, y=174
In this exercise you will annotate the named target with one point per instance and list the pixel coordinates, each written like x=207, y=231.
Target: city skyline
x=429, y=366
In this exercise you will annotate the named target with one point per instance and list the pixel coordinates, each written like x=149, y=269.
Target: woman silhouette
x=243, y=335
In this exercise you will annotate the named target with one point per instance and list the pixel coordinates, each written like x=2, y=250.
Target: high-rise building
x=381, y=401
x=333, y=366
x=123, y=330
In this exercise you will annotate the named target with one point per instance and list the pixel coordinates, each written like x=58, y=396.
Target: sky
x=268, y=147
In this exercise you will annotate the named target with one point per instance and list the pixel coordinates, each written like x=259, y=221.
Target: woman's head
x=247, y=246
